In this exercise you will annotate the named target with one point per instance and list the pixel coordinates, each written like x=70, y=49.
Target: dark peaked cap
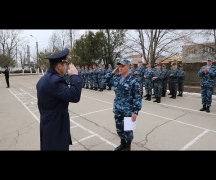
x=59, y=56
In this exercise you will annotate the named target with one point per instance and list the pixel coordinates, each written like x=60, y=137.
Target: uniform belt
x=54, y=111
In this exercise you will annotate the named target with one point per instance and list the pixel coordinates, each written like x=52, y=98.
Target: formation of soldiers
x=155, y=79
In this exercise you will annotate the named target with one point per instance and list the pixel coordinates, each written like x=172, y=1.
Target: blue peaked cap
x=59, y=56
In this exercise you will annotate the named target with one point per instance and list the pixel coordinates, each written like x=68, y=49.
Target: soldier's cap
x=163, y=65
x=59, y=56
x=209, y=59
x=173, y=64
x=140, y=61
x=124, y=62
x=158, y=64
x=180, y=65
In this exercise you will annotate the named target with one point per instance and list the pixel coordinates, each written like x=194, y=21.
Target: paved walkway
x=174, y=124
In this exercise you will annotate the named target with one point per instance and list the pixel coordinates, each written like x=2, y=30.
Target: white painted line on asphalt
x=83, y=139
x=36, y=110
x=91, y=113
x=172, y=106
x=73, y=127
x=91, y=132
x=161, y=117
x=194, y=140
x=25, y=106
x=28, y=94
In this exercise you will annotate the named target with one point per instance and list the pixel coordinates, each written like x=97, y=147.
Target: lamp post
x=36, y=48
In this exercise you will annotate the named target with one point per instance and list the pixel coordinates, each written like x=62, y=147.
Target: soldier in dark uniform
x=181, y=79
x=148, y=81
x=165, y=79
x=139, y=74
x=109, y=70
x=54, y=95
x=127, y=102
x=173, y=75
x=158, y=82
x=6, y=73
x=207, y=74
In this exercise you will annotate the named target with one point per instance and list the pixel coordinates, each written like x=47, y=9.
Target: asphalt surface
x=173, y=124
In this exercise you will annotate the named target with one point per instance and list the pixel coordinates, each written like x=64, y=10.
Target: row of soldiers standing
x=155, y=78
x=92, y=76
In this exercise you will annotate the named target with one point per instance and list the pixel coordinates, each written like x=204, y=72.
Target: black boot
x=147, y=96
x=171, y=96
x=127, y=146
x=87, y=87
x=91, y=88
x=159, y=100
x=179, y=94
x=96, y=89
x=203, y=108
x=101, y=89
x=121, y=146
x=207, y=109
x=156, y=99
x=174, y=96
x=109, y=88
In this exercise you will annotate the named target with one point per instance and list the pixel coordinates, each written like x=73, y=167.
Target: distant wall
x=191, y=73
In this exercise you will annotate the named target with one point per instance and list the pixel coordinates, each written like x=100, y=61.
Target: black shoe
x=179, y=95
x=203, y=108
x=127, y=146
x=121, y=146
x=101, y=89
x=145, y=95
x=159, y=100
x=155, y=100
x=207, y=109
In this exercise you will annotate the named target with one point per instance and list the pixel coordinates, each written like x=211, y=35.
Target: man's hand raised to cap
x=72, y=70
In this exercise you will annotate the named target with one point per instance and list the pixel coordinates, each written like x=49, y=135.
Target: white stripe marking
x=170, y=106
x=83, y=139
x=91, y=132
x=91, y=113
x=162, y=117
x=194, y=140
x=25, y=107
x=73, y=127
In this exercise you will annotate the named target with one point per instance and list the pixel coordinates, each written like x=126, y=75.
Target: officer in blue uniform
x=54, y=95
x=207, y=74
x=127, y=102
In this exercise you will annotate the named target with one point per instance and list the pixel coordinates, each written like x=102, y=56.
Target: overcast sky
x=42, y=37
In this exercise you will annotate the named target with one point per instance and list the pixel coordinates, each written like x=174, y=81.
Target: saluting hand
x=115, y=70
x=72, y=70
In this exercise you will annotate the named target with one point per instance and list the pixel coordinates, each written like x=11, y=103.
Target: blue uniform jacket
x=54, y=95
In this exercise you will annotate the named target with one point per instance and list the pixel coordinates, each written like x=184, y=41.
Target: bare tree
x=22, y=56
x=155, y=44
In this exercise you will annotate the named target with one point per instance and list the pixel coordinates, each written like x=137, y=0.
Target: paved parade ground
x=173, y=124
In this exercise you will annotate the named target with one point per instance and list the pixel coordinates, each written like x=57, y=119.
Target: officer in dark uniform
x=54, y=95
x=6, y=73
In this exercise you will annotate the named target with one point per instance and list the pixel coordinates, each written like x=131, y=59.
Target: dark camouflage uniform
x=173, y=81
x=140, y=77
x=127, y=102
x=181, y=79
x=158, y=84
x=148, y=80
x=165, y=81
x=207, y=84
